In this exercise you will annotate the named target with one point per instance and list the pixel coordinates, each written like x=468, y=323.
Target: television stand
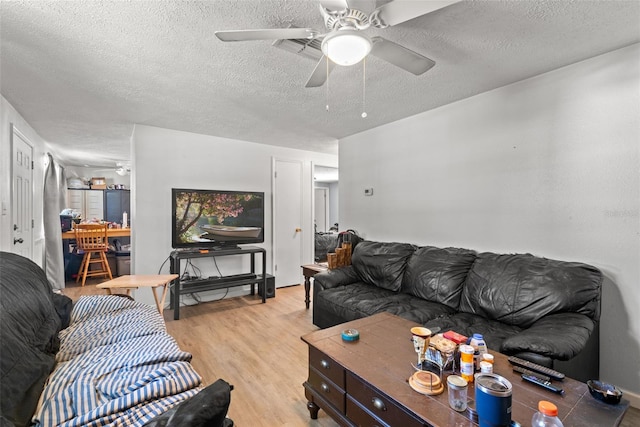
x=223, y=247
x=188, y=286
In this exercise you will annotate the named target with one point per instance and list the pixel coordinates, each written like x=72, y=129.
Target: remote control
x=542, y=383
x=537, y=368
x=522, y=370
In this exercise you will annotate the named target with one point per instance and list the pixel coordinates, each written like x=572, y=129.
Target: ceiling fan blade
x=399, y=11
x=319, y=75
x=270, y=34
x=400, y=56
x=334, y=5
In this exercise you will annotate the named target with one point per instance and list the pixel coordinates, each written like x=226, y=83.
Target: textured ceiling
x=82, y=73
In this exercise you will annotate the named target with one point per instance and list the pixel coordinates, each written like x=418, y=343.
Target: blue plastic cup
x=493, y=400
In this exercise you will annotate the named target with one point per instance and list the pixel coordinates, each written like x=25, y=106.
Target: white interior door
x=94, y=204
x=90, y=203
x=287, y=218
x=22, y=194
x=75, y=200
x=321, y=209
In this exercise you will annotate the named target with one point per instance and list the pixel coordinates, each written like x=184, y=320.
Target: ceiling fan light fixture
x=346, y=47
x=122, y=169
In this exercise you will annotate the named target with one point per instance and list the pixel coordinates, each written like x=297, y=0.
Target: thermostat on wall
x=368, y=191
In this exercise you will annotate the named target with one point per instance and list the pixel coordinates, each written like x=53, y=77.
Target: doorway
x=325, y=186
x=321, y=209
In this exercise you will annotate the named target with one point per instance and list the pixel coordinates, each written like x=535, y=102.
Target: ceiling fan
x=122, y=169
x=345, y=42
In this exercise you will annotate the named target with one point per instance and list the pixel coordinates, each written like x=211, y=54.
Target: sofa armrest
x=560, y=336
x=209, y=407
x=337, y=277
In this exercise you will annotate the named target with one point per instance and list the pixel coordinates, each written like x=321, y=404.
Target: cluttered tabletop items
x=111, y=232
x=68, y=221
x=470, y=361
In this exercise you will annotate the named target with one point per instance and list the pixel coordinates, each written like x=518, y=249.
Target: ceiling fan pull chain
x=327, y=87
x=364, y=87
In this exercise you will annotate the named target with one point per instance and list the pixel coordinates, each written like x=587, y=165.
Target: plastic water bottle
x=547, y=415
x=477, y=341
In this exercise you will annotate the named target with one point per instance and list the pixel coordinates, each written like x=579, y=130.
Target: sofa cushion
x=208, y=408
x=438, y=274
x=416, y=309
x=382, y=264
x=353, y=301
x=467, y=324
x=559, y=336
x=360, y=299
x=520, y=289
x=335, y=277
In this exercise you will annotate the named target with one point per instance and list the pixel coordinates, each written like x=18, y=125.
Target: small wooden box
x=99, y=183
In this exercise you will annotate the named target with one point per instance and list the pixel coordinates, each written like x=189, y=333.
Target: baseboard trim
x=633, y=398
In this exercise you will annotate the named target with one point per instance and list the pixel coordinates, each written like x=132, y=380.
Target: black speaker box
x=271, y=287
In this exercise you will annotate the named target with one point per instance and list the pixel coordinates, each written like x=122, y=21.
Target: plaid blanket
x=117, y=366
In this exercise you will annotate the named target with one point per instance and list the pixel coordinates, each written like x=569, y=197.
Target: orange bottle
x=467, y=365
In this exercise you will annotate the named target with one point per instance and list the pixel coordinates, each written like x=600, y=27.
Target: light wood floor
x=257, y=348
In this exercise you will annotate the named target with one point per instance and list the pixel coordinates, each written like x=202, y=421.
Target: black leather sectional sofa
x=539, y=309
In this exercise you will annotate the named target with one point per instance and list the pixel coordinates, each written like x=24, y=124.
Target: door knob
x=17, y=241
x=298, y=230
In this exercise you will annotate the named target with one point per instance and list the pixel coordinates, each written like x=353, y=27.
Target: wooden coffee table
x=365, y=382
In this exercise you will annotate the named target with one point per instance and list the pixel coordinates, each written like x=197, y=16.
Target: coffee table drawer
x=328, y=390
x=378, y=405
x=360, y=416
x=327, y=366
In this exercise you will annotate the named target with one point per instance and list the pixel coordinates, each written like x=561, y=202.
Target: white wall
x=165, y=159
x=9, y=116
x=549, y=166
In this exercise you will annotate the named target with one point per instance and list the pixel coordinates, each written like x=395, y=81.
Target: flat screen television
x=216, y=218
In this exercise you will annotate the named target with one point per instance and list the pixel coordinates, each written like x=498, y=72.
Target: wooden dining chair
x=92, y=241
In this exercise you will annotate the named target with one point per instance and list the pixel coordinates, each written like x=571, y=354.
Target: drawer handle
x=378, y=404
x=324, y=364
x=324, y=387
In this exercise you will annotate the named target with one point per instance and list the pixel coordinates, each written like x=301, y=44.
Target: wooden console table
x=364, y=382
x=308, y=271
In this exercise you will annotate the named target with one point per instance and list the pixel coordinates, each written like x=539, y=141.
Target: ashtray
x=350, y=335
x=608, y=393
